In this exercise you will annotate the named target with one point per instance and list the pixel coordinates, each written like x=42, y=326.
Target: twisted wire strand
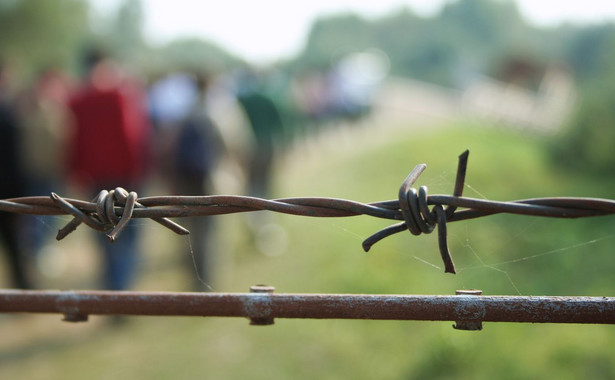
x=110, y=211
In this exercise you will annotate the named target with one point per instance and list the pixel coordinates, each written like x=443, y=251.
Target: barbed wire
x=110, y=211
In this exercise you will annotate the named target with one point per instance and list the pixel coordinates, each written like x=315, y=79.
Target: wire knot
x=413, y=205
x=418, y=218
x=112, y=213
x=104, y=218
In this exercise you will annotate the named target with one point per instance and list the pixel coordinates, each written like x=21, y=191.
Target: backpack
x=196, y=148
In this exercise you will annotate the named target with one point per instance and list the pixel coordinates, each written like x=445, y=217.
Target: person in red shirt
x=108, y=148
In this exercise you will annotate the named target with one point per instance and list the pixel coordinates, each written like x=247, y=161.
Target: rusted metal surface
x=111, y=210
x=262, y=306
x=469, y=324
x=261, y=319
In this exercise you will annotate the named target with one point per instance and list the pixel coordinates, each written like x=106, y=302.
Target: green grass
x=572, y=257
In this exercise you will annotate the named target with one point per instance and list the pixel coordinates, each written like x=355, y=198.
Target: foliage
x=38, y=33
x=57, y=32
x=465, y=35
x=590, y=137
x=192, y=54
x=126, y=31
x=333, y=37
x=465, y=38
x=590, y=51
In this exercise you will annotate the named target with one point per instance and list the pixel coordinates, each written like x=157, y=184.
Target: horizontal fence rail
x=111, y=210
x=468, y=308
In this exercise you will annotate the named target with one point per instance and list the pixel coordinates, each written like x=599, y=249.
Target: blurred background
x=326, y=99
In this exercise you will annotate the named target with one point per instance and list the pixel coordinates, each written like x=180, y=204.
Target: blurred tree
x=588, y=143
x=193, y=54
x=485, y=27
x=124, y=36
x=331, y=38
x=126, y=33
x=406, y=39
x=38, y=33
x=466, y=33
x=589, y=50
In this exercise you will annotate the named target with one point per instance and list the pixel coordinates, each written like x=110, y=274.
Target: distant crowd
x=112, y=129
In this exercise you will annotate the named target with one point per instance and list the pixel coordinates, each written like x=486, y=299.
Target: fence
x=111, y=210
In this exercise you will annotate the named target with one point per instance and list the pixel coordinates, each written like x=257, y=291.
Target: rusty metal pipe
x=77, y=305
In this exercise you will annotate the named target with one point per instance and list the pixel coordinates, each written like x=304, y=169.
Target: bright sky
x=263, y=30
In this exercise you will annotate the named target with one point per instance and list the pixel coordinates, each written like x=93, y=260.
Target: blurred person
x=197, y=150
x=108, y=148
x=43, y=118
x=11, y=184
x=170, y=100
x=265, y=120
x=227, y=114
x=266, y=123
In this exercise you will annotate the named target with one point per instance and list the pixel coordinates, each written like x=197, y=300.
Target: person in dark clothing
x=198, y=147
x=11, y=185
x=43, y=122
